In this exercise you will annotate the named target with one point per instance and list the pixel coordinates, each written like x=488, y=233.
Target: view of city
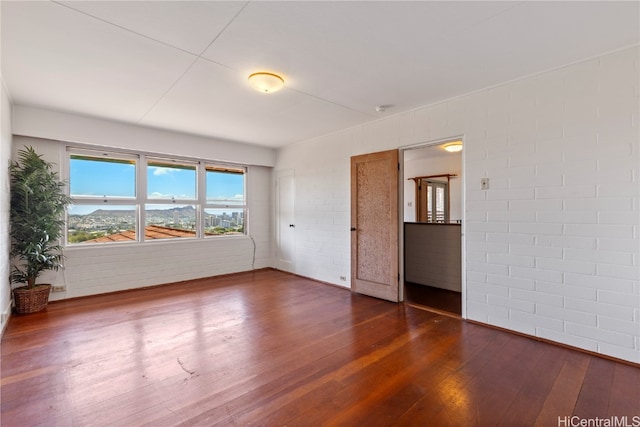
x=105, y=222
x=166, y=182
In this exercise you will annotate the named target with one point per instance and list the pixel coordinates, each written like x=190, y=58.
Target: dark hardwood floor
x=430, y=297
x=269, y=348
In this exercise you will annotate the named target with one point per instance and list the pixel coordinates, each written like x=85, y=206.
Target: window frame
x=148, y=159
x=104, y=200
x=433, y=186
x=219, y=204
x=142, y=199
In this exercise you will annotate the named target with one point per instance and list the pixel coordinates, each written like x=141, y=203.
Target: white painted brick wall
x=566, y=290
x=576, y=341
x=481, y=311
x=601, y=283
x=111, y=268
x=567, y=315
x=553, y=247
x=5, y=155
x=585, y=243
x=511, y=282
x=322, y=224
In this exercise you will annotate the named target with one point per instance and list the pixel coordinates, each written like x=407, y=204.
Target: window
x=437, y=210
x=225, y=207
x=169, y=221
x=432, y=199
x=174, y=199
x=103, y=188
x=169, y=182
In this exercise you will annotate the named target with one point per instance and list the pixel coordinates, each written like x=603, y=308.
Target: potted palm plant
x=38, y=202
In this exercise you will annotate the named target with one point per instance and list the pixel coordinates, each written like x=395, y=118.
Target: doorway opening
x=432, y=210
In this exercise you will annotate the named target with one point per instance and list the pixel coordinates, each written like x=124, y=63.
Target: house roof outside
x=151, y=232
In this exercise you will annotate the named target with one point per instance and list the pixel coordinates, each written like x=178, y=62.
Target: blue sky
x=95, y=178
x=116, y=179
x=165, y=183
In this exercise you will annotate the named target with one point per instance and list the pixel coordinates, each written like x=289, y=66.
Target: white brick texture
x=5, y=155
x=553, y=245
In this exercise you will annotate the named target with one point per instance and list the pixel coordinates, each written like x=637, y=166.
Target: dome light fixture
x=266, y=82
x=453, y=147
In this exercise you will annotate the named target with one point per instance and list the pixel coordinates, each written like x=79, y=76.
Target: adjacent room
x=321, y=213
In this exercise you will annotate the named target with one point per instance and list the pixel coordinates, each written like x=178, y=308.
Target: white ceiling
x=183, y=65
x=430, y=152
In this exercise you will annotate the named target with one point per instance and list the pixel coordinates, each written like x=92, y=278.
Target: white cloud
x=157, y=195
x=224, y=197
x=157, y=171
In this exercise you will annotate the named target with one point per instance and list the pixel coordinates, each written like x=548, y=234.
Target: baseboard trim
x=557, y=344
x=8, y=311
x=312, y=279
x=122, y=291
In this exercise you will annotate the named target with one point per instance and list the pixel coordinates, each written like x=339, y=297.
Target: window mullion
x=202, y=199
x=141, y=197
x=245, y=209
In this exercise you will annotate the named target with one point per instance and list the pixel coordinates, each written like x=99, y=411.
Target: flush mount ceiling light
x=453, y=147
x=266, y=82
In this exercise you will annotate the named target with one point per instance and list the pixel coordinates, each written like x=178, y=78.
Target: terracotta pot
x=31, y=300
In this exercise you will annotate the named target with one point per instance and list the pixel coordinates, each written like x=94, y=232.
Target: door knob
x=292, y=225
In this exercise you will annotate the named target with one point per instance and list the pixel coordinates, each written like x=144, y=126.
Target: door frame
x=401, y=203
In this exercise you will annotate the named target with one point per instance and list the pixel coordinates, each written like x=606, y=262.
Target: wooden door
x=374, y=224
x=286, y=226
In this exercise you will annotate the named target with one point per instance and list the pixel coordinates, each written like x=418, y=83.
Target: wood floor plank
x=625, y=396
x=269, y=348
x=593, y=399
x=562, y=398
x=535, y=387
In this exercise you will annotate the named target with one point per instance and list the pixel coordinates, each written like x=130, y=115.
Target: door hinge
x=398, y=166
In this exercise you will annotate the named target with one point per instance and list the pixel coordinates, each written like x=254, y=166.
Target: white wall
x=552, y=248
x=322, y=207
x=40, y=123
x=5, y=154
x=114, y=267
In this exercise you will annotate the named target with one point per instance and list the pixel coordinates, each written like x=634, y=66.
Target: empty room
x=372, y=213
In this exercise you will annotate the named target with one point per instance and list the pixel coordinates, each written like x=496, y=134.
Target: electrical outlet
x=484, y=183
x=58, y=288
x=343, y=278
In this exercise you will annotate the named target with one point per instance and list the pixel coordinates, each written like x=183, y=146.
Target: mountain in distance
x=102, y=213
